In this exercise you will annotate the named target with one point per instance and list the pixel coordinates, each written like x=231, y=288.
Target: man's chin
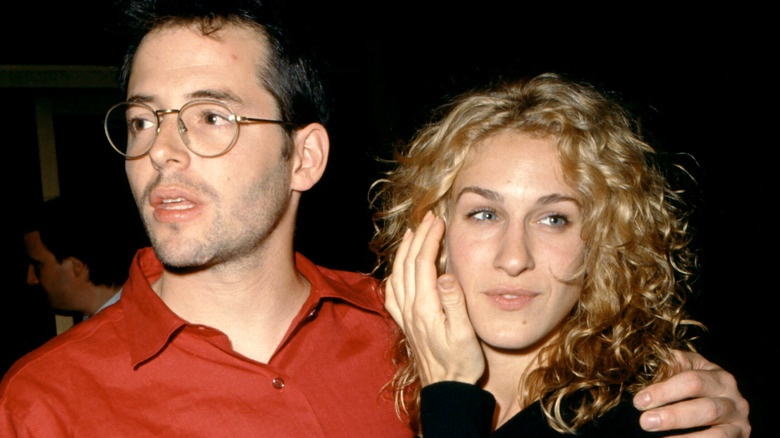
x=180, y=257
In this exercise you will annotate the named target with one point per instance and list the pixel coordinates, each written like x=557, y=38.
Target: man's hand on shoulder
x=700, y=393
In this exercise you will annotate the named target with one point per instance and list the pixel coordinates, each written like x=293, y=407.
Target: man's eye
x=212, y=118
x=138, y=124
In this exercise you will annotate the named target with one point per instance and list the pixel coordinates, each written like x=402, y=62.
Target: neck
x=253, y=300
x=506, y=374
x=503, y=378
x=96, y=295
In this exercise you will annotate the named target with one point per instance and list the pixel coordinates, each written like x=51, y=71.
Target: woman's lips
x=511, y=299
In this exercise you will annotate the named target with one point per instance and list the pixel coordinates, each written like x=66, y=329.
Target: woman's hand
x=432, y=311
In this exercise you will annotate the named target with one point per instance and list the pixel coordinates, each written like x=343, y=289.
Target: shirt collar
x=341, y=285
x=150, y=323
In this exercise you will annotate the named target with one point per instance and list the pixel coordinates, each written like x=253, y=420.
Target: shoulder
x=622, y=421
x=361, y=290
x=60, y=367
x=455, y=409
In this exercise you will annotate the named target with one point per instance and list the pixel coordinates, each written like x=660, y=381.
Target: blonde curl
x=620, y=336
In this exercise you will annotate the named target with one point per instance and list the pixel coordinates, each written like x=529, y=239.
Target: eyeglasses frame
x=182, y=129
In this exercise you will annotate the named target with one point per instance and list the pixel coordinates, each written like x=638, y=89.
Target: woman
x=570, y=252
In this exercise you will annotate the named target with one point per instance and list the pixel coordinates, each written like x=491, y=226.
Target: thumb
x=453, y=301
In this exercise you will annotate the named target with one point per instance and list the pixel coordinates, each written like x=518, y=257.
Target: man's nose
x=168, y=148
x=32, y=277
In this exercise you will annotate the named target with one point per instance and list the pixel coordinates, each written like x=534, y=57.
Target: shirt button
x=313, y=314
x=278, y=383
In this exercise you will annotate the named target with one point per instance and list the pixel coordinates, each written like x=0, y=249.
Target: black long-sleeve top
x=460, y=410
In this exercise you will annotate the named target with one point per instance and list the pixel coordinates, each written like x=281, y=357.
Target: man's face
x=200, y=211
x=45, y=271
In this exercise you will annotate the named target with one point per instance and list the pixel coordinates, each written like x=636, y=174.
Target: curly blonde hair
x=620, y=335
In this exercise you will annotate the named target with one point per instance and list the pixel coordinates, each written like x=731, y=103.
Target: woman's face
x=513, y=239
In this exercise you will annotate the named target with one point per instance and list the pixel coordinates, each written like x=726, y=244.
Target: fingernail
x=446, y=283
x=650, y=421
x=642, y=400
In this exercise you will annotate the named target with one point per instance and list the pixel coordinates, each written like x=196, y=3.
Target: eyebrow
x=140, y=98
x=221, y=95
x=495, y=196
x=557, y=197
x=485, y=193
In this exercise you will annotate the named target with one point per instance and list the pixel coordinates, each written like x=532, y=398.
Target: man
x=224, y=330
x=78, y=260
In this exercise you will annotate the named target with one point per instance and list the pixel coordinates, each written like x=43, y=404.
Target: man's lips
x=173, y=204
x=179, y=203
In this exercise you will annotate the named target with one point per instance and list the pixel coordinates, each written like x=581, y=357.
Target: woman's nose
x=514, y=254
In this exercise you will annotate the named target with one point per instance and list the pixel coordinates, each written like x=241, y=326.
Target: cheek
x=566, y=257
x=133, y=169
x=570, y=294
x=565, y=263
x=466, y=258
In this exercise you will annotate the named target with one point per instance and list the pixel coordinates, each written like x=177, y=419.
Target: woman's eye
x=483, y=215
x=555, y=220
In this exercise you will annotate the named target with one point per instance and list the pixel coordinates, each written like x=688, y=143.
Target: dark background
x=698, y=79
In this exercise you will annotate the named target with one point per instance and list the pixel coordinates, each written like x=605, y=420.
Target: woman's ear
x=311, y=146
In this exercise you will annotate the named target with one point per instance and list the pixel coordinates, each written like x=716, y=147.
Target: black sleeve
x=456, y=410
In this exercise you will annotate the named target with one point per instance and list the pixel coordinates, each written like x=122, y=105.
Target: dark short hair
x=291, y=73
x=71, y=227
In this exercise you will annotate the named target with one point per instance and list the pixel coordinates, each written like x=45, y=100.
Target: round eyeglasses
x=208, y=128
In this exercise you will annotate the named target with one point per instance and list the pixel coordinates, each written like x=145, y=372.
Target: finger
x=686, y=382
x=716, y=399
x=682, y=386
x=453, y=302
x=409, y=279
x=688, y=414
x=391, y=304
x=397, y=276
x=426, y=296
x=689, y=360
x=722, y=384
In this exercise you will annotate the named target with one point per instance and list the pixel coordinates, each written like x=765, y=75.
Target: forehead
x=514, y=156
x=34, y=246
x=174, y=60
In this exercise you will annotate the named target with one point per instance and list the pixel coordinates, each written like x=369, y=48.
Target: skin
x=513, y=237
x=229, y=283
x=56, y=278
x=231, y=204
x=513, y=234
x=454, y=339
x=67, y=284
x=223, y=226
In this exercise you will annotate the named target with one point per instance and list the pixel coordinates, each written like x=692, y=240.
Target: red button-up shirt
x=136, y=370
